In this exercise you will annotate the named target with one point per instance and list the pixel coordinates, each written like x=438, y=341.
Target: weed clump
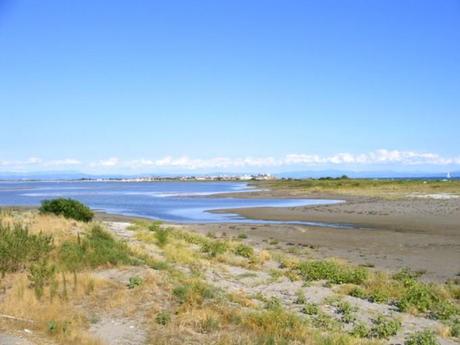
x=331, y=271
x=163, y=318
x=310, y=309
x=193, y=292
x=134, y=282
x=425, y=337
x=244, y=250
x=214, y=248
x=423, y=297
x=384, y=327
x=68, y=208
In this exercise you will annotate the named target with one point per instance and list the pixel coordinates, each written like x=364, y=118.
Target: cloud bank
x=392, y=158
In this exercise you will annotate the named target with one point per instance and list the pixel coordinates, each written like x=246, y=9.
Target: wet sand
x=422, y=234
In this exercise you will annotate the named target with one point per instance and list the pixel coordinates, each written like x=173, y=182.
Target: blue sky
x=146, y=86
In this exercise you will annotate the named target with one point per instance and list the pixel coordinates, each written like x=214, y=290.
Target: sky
x=230, y=85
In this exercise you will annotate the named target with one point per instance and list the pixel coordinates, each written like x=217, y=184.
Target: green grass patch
x=331, y=271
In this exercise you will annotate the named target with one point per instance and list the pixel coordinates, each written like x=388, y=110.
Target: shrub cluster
x=423, y=297
x=331, y=271
x=68, y=208
x=425, y=337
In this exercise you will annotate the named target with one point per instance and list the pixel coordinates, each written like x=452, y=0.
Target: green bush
x=384, y=327
x=360, y=330
x=163, y=318
x=358, y=292
x=68, y=208
x=425, y=337
x=332, y=272
x=347, y=311
x=134, y=282
x=244, y=250
x=214, y=248
x=19, y=248
x=425, y=298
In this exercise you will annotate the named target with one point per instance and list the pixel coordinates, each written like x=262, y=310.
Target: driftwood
x=15, y=318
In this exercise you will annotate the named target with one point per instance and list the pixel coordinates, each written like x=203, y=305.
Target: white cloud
x=108, y=163
x=379, y=157
x=62, y=162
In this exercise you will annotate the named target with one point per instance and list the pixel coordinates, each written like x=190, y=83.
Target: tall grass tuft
x=19, y=248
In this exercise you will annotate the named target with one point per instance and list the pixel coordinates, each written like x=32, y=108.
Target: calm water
x=168, y=201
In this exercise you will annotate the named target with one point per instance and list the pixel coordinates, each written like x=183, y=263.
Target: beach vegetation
x=385, y=327
x=69, y=208
x=244, y=250
x=425, y=337
x=19, y=248
x=331, y=271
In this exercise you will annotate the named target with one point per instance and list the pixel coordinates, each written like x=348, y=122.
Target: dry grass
x=54, y=315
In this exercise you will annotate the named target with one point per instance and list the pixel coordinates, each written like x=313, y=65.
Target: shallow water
x=183, y=202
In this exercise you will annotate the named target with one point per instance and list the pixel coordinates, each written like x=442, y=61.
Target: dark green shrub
x=68, y=208
x=425, y=337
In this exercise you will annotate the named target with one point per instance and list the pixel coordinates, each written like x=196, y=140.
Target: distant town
x=245, y=177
